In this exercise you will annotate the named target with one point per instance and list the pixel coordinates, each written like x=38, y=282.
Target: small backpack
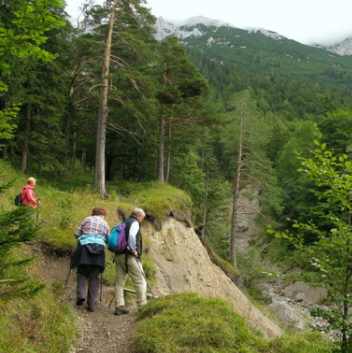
x=18, y=199
x=118, y=239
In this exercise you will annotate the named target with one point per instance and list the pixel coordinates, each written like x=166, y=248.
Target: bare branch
x=82, y=100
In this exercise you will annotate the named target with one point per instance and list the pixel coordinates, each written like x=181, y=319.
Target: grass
x=39, y=323
x=156, y=199
x=179, y=323
x=65, y=203
x=187, y=323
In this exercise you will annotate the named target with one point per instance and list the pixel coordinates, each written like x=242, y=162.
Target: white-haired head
x=138, y=212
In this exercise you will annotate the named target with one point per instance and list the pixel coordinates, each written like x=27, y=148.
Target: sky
x=306, y=21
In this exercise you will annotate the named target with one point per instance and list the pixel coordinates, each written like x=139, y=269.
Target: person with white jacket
x=129, y=263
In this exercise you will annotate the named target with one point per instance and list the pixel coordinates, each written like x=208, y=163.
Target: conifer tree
x=17, y=227
x=125, y=28
x=181, y=89
x=23, y=25
x=245, y=140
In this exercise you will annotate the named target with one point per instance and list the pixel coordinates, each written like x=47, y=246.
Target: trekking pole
x=68, y=276
x=112, y=300
x=130, y=291
x=141, y=268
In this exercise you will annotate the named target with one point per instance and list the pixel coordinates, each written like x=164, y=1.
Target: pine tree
x=127, y=38
x=181, y=89
x=23, y=25
x=245, y=139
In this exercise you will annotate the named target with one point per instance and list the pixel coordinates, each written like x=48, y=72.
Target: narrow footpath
x=101, y=331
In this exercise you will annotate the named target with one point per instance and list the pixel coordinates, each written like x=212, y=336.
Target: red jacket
x=28, y=197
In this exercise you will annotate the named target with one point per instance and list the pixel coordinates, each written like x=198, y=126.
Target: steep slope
x=183, y=264
x=261, y=51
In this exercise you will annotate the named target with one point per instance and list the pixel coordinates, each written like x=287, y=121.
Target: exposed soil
x=101, y=331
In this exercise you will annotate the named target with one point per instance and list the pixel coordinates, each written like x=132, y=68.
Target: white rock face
x=344, y=48
x=165, y=29
x=184, y=29
x=267, y=33
x=183, y=265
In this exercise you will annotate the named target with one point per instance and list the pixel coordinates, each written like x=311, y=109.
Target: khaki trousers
x=135, y=271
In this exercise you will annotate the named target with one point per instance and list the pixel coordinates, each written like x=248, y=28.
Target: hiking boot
x=80, y=301
x=90, y=309
x=120, y=311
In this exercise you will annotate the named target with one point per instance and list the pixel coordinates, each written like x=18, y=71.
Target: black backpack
x=18, y=200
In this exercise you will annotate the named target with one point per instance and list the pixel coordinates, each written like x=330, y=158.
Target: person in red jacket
x=28, y=197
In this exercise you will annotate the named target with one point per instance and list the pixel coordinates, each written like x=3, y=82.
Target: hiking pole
x=68, y=276
x=112, y=300
x=130, y=291
x=139, y=264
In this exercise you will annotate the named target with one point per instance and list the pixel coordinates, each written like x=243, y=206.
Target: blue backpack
x=118, y=239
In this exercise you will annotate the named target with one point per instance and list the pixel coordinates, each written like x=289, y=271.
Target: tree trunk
x=84, y=161
x=124, y=167
x=161, y=151
x=205, y=210
x=99, y=179
x=136, y=170
x=67, y=140
x=5, y=151
x=168, y=158
x=236, y=193
x=73, y=156
x=25, y=142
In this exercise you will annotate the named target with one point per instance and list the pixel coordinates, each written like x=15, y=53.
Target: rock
x=242, y=226
x=182, y=274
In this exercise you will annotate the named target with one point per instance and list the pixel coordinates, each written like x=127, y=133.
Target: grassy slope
x=187, y=323
x=178, y=323
x=43, y=324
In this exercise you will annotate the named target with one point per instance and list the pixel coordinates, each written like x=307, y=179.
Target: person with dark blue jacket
x=89, y=257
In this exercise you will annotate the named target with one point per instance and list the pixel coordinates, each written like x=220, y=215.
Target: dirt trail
x=101, y=331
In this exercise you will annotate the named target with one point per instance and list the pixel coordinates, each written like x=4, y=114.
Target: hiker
x=28, y=197
x=129, y=263
x=89, y=257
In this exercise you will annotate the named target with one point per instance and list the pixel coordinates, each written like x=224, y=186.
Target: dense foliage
x=330, y=254
x=217, y=121
x=163, y=123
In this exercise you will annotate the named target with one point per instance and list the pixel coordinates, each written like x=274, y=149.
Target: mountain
x=344, y=48
x=262, y=51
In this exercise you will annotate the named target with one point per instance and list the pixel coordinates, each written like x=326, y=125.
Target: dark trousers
x=91, y=273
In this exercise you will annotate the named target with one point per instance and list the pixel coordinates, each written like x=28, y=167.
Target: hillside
x=263, y=52
x=174, y=253
x=183, y=265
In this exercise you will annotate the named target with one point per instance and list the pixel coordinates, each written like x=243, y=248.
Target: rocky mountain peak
x=344, y=48
x=189, y=28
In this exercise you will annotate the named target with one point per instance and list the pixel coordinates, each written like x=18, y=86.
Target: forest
x=106, y=100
